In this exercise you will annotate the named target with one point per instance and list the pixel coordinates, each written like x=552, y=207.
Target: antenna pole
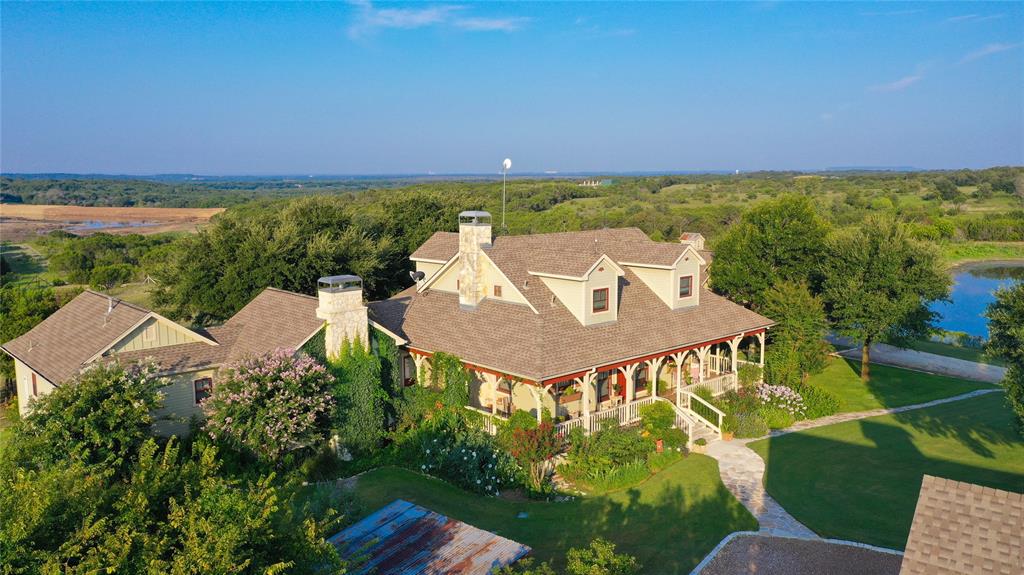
x=503, y=173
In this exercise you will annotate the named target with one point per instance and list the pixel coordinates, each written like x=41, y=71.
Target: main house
x=582, y=326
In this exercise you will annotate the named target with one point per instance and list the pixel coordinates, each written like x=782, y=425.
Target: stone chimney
x=693, y=238
x=474, y=237
x=341, y=306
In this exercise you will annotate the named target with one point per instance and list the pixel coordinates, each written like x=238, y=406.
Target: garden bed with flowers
x=755, y=410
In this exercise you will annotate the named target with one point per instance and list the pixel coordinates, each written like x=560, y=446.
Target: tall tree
x=801, y=326
x=878, y=282
x=778, y=240
x=1006, y=341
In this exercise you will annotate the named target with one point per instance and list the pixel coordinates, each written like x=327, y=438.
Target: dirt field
x=25, y=221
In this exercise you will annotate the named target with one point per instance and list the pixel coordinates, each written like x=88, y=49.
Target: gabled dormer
x=677, y=284
x=591, y=296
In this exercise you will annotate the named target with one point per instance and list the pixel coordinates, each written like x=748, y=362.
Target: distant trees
x=1006, y=341
x=877, y=283
x=777, y=241
x=99, y=259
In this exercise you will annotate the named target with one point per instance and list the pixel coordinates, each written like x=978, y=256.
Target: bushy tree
x=109, y=276
x=778, y=240
x=1006, y=341
x=800, y=327
x=878, y=282
x=534, y=449
x=360, y=415
x=101, y=417
x=271, y=404
x=599, y=558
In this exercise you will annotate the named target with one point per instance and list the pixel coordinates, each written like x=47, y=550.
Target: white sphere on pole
x=507, y=164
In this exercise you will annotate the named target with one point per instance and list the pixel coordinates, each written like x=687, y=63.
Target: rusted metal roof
x=403, y=538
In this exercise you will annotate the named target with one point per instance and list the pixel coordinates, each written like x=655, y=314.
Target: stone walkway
x=742, y=470
x=930, y=362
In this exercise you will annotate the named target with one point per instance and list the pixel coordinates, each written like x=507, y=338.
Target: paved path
x=930, y=362
x=742, y=470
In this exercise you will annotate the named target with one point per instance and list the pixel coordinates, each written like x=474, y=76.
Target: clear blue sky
x=333, y=88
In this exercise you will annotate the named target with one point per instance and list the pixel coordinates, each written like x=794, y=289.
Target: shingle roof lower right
x=965, y=529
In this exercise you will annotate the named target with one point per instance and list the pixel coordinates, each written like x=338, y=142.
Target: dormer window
x=497, y=291
x=600, y=300
x=685, y=286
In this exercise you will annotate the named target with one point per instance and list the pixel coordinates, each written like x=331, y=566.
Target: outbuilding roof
x=965, y=529
x=403, y=538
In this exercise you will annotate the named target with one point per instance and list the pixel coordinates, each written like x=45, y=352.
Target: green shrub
x=701, y=442
x=704, y=392
x=618, y=477
x=750, y=425
x=591, y=458
x=729, y=423
x=520, y=419
x=470, y=460
x=659, y=461
x=674, y=438
x=658, y=418
x=775, y=417
x=818, y=402
x=749, y=375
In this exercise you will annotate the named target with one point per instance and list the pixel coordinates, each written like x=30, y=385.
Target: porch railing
x=718, y=385
x=623, y=415
x=704, y=411
x=719, y=363
x=490, y=421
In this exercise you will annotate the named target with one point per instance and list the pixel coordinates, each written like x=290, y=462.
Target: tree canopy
x=1006, y=341
x=878, y=282
x=778, y=240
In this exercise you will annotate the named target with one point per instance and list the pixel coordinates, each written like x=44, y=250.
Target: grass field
x=888, y=387
x=859, y=480
x=947, y=350
x=668, y=522
x=962, y=252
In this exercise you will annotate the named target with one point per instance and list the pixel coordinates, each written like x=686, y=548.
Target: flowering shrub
x=471, y=461
x=271, y=404
x=781, y=397
x=533, y=449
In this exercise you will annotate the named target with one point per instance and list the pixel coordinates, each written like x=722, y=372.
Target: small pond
x=973, y=287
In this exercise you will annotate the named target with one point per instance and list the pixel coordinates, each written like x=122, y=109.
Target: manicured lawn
x=945, y=349
x=888, y=387
x=859, y=480
x=669, y=522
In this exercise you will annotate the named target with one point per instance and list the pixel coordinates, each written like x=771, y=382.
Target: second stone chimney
x=341, y=306
x=474, y=237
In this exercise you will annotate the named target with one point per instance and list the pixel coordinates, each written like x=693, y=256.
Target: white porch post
x=586, y=382
x=653, y=366
x=734, y=346
x=628, y=371
x=419, y=361
x=702, y=358
x=492, y=381
x=760, y=357
x=678, y=359
x=540, y=403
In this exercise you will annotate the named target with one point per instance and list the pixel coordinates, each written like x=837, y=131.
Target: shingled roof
x=62, y=344
x=965, y=529
x=59, y=346
x=552, y=342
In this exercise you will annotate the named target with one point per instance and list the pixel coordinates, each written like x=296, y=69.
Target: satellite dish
x=507, y=164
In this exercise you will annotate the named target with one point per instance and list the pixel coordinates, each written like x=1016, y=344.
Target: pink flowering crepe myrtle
x=271, y=404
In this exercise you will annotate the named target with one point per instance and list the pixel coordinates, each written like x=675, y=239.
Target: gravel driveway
x=765, y=555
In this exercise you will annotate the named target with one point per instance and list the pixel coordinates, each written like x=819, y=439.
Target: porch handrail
x=683, y=421
x=718, y=413
x=490, y=420
x=718, y=385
